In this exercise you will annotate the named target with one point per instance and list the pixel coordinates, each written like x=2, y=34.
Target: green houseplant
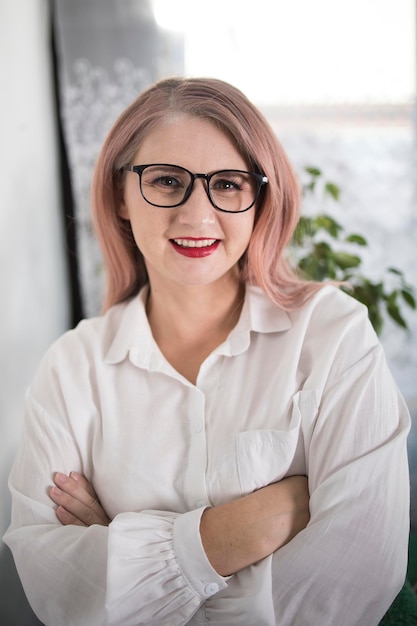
x=323, y=250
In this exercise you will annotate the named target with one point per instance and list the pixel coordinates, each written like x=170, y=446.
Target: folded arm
x=76, y=569
x=234, y=535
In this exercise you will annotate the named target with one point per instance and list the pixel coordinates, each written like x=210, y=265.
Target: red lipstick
x=190, y=248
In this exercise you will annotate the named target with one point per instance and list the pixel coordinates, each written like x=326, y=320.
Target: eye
x=230, y=181
x=165, y=179
x=162, y=179
x=225, y=184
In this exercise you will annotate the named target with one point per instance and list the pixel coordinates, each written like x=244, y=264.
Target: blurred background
x=337, y=81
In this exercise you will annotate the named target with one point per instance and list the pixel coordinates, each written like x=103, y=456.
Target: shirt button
x=200, y=503
x=211, y=588
x=198, y=426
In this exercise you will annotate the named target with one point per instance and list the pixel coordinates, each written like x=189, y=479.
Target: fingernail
x=56, y=492
x=75, y=476
x=60, y=478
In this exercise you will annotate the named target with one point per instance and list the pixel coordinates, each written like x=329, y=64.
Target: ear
x=123, y=210
x=119, y=194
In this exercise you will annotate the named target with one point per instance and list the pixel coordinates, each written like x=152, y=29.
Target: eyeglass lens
x=167, y=186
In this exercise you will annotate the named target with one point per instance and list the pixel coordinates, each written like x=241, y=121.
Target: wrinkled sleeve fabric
x=123, y=575
x=157, y=562
x=348, y=565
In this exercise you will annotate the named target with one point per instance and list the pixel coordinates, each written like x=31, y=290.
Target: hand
x=77, y=502
x=246, y=530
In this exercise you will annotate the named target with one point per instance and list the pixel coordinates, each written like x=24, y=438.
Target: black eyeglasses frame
x=261, y=180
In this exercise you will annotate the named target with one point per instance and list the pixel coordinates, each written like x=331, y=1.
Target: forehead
x=186, y=140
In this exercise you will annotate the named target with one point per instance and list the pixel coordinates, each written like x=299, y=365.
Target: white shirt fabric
x=307, y=392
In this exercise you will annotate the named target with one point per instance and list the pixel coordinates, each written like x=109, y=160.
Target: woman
x=179, y=425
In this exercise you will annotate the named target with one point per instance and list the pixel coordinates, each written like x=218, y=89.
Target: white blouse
x=307, y=392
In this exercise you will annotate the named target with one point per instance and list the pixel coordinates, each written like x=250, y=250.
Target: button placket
x=195, y=479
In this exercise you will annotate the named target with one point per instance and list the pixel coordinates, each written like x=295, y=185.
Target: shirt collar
x=133, y=336
x=260, y=315
x=132, y=333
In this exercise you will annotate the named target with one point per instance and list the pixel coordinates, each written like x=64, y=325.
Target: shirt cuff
x=193, y=561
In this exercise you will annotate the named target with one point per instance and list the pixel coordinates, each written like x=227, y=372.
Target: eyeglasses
x=169, y=186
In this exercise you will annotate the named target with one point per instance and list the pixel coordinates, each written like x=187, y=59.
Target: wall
x=33, y=281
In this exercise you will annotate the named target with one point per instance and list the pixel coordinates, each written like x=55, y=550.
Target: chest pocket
x=265, y=456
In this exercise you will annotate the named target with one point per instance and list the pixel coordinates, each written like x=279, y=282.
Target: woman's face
x=193, y=244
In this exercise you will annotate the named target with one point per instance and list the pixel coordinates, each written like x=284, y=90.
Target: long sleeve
x=348, y=565
x=126, y=574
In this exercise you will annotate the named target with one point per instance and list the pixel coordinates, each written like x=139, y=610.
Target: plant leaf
x=376, y=319
x=408, y=298
x=314, y=171
x=394, y=312
x=355, y=238
x=345, y=260
x=394, y=270
x=305, y=229
x=328, y=224
x=333, y=190
x=309, y=187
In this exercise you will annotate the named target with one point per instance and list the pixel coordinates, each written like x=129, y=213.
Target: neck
x=191, y=313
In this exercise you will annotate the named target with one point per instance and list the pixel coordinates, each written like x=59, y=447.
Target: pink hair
x=277, y=212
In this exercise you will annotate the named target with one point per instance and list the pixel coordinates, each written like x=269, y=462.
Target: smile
x=195, y=248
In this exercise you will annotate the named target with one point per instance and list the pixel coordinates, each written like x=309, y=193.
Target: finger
x=80, y=511
x=77, y=489
x=81, y=480
x=77, y=500
x=66, y=518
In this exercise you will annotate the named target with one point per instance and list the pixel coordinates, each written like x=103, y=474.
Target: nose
x=197, y=211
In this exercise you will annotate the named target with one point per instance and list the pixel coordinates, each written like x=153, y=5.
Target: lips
x=195, y=248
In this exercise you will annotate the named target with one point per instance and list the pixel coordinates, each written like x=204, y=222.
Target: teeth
x=190, y=243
